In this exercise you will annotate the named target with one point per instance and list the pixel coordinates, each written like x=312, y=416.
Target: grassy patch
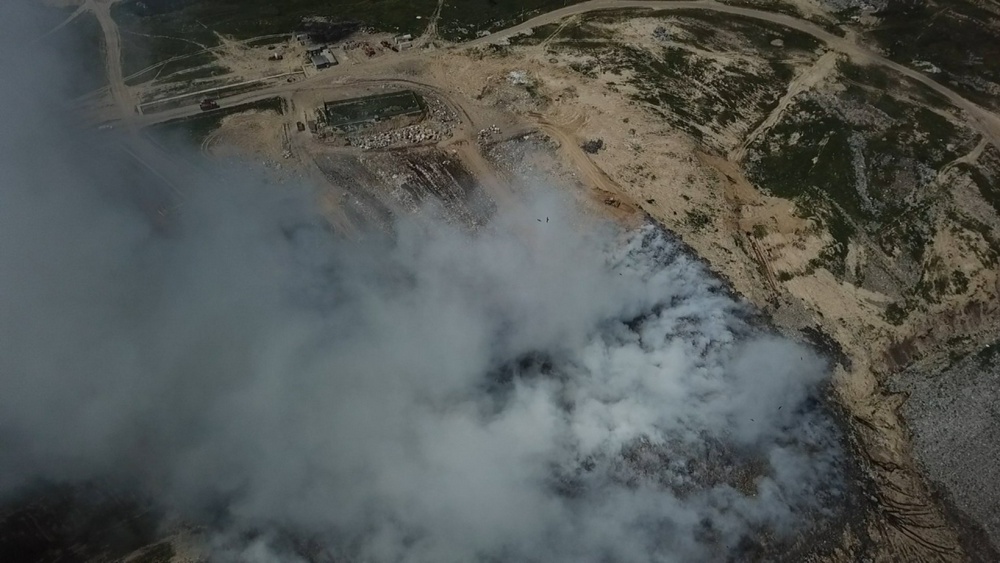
x=991, y=257
x=187, y=75
x=817, y=163
x=870, y=152
x=462, y=19
x=698, y=219
x=896, y=313
x=693, y=93
x=140, y=50
x=988, y=354
x=960, y=37
x=157, y=30
x=866, y=159
x=705, y=26
x=267, y=40
x=538, y=35
x=986, y=175
x=246, y=19
x=172, y=67
x=776, y=6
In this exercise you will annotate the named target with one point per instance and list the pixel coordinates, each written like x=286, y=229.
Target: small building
x=400, y=39
x=320, y=62
x=323, y=59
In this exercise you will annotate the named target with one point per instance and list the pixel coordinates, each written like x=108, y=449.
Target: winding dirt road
x=984, y=121
x=113, y=52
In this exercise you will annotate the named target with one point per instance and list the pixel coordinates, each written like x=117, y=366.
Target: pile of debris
x=363, y=45
x=485, y=135
x=441, y=112
x=413, y=134
x=519, y=78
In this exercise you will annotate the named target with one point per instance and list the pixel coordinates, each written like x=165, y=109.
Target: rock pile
x=442, y=112
x=486, y=135
x=413, y=134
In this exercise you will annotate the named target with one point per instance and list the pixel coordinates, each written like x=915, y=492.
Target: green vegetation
x=246, y=19
x=834, y=256
x=988, y=354
x=704, y=26
x=882, y=147
x=141, y=50
x=960, y=37
x=157, y=30
x=817, y=165
x=197, y=73
x=367, y=109
x=698, y=219
x=864, y=159
x=959, y=281
x=691, y=91
x=986, y=175
x=776, y=6
x=895, y=314
x=196, y=129
x=991, y=257
x=462, y=19
x=170, y=66
x=538, y=34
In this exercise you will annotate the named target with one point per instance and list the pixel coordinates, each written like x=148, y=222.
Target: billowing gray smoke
x=539, y=391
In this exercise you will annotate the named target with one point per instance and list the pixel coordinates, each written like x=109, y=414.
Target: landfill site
x=827, y=188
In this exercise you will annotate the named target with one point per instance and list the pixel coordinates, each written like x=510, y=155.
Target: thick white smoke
x=538, y=391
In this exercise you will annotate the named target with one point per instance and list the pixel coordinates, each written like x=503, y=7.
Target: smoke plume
x=554, y=391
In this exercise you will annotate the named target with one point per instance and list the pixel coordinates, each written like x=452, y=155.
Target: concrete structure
x=322, y=59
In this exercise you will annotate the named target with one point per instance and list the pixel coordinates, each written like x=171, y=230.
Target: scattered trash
x=485, y=135
x=518, y=78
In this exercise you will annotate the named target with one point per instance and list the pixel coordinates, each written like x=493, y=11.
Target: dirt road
x=805, y=80
x=113, y=55
x=981, y=119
